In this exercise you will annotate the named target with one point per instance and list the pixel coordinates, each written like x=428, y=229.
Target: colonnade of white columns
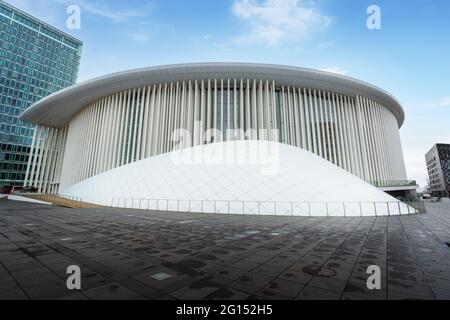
x=355, y=133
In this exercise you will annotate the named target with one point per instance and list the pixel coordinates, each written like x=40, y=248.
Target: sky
x=408, y=56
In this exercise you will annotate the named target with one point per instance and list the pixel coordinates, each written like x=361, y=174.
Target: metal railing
x=419, y=205
x=49, y=196
x=284, y=208
x=71, y=198
x=394, y=183
x=54, y=197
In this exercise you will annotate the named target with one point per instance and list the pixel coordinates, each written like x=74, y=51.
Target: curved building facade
x=112, y=121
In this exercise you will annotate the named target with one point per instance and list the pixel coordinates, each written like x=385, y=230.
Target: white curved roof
x=236, y=171
x=58, y=109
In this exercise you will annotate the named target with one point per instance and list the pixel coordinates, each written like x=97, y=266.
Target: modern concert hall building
x=124, y=140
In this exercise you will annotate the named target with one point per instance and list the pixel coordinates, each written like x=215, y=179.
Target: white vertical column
x=176, y=117
x=54, y=161
x=88, y=143
x=145, y=128
x=104, y=135
x=307, y=100
x=122, y=129
x=44, y=136
x=165, y=120
x=43, y=159
x=129, y=124
x=209, y=125
x=228, y=123
x=375, y=147
x=190, y=113
x=315, y=125
x=358, y=135
x=79, y=146
x=30, y=157
x=352, y=135
x=235, y=111
x=370, y=144
x=216, y=112
x=241, y=111
x=196, y=127
x=254, y=111
x=261, y=111
x=345, y=139
x=302, y=106
x=382, y=150
x=157, y=122
x=171, y=110
x=111, y=141
x=49, y=156
x=326, y=118
x=285, y=135
x=90, y=138
x=336, y=133
x=266, y=111
x=297, y=118
x=386, y=144
x=333, y=129
x=222, y=111
x=322, y=127
x=355, y=115
x=61, y=154
x=82, y=136
x=202, y=113
x=95, y=132
x=290, y=118
x=133, y=140
x=275, y=135
x=350, y=142
x=142, y=100
x=98, y=139
x=248, y=112
x=38, y=146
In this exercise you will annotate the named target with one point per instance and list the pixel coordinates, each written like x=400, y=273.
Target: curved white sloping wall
x=270, y=178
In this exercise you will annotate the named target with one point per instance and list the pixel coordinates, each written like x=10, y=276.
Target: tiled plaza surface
x=127, y=254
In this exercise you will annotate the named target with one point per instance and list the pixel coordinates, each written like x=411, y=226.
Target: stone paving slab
x=129, y=254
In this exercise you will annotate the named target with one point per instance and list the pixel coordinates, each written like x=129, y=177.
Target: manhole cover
x=161, y=276
x=318, y=271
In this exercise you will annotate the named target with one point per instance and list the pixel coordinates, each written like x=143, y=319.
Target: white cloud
x=140, y=37
x=337, y=70
x=326, y=45
x=445, y=102
x=274, y=21
x=41, y=9
x=99, y=8
x=103, y=9
x=21, y=4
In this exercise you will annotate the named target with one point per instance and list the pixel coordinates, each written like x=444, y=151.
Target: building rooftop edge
x=80, y=95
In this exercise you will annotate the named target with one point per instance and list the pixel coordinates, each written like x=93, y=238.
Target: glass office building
x=36, y=60
x=438, y=164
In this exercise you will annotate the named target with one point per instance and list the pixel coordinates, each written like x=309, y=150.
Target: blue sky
x=409, y=56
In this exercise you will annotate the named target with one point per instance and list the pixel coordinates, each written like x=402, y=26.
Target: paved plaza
x=129, y=254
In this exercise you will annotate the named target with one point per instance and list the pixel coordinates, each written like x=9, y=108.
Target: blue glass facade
x=35, y=61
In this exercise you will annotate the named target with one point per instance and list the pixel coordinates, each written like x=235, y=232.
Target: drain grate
x=318, y=271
